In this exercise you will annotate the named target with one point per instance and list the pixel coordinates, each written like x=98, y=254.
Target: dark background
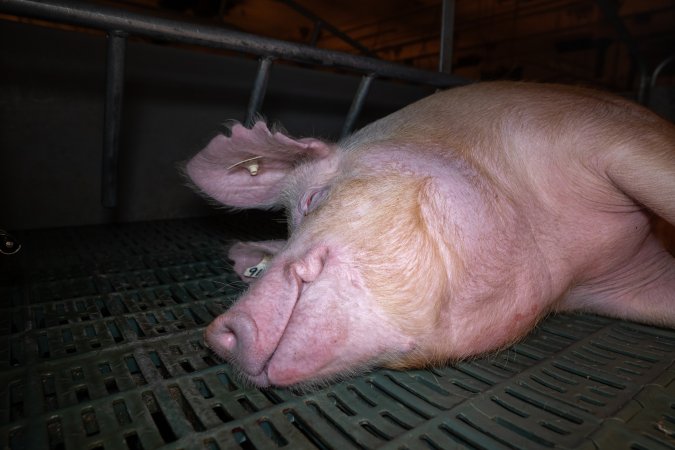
x=51, y=121
x=52, y=86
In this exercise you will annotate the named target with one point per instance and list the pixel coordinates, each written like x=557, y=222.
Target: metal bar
x=646, y=96
x=259, y=89
x=662, y=65
x=447, y=31
x=357, y=105
x=334, y=30
x=316, y=33
x=107, y=18
x=112, y=117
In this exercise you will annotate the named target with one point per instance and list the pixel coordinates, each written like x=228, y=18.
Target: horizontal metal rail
x=107, y=18
x=120, y=23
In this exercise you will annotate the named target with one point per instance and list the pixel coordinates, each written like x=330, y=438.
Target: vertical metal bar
x=112, y=116
x=357, y=104
x=316, y=33
x=648, y=87
x=259, y=88
x=447, y=31
x=662, y=65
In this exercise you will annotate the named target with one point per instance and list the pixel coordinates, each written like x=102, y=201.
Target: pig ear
x=247, y=169
x=251, y=258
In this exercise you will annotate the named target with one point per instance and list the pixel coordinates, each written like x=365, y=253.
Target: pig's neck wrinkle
x=510, y=281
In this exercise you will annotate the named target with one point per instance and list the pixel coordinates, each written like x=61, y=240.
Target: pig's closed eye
x=312, y=200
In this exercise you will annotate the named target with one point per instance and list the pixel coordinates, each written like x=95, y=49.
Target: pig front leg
x=252, y=258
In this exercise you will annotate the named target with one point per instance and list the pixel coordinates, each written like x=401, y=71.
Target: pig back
x=499, y=125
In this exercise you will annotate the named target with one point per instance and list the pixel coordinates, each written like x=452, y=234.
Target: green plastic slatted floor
x=103, y=349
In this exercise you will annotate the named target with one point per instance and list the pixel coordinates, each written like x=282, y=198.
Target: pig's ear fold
x=247, y=169
x=251, y=258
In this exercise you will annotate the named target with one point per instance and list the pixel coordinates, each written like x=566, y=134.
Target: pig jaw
x=307, y=320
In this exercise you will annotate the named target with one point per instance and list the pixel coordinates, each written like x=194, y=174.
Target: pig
x=443, y=231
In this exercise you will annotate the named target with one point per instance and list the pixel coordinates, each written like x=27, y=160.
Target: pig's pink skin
x=307, y=179
x=487, y=235
x=308, y=333
x=308, y=312
x=249, y=254
x=280, y=153
x=534, y=197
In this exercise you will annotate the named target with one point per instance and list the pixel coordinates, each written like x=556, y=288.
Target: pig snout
x=248, y=334
x=234, y=336
x=291, y=326
x=230, y=333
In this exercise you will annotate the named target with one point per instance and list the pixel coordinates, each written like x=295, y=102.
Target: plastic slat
x=103, y=349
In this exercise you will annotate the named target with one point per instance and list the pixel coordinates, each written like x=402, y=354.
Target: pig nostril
x=235, y=337
x=234, y=333
x=228, y=341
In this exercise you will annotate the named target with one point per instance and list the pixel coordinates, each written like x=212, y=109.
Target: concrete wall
x=51, y=120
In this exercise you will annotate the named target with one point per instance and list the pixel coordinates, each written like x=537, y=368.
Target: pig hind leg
x=642, y=290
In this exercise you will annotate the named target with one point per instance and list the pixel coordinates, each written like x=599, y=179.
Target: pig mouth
x=263, y=335
x=281, y=358
x=250, y=340
x=292, y=329
x=260, y=380
x=290, y=360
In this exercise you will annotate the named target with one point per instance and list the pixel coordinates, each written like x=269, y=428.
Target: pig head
x=445, y=230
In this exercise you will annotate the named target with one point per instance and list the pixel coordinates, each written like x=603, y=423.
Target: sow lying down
x=445, y=230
